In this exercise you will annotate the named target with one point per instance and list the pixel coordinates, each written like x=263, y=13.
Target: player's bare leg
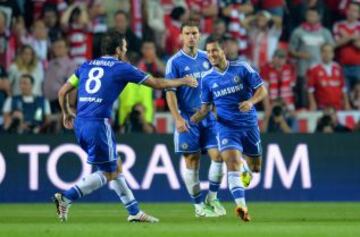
x=232, y=158
x=192, y=183
x=95, y=181
x=254, y=163
x=215, y=178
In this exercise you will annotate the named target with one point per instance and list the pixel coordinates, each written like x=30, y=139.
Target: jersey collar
x=187, y=55
x=109, y=57
x=226, y=69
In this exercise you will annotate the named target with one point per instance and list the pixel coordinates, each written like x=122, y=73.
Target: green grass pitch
x=177, y=219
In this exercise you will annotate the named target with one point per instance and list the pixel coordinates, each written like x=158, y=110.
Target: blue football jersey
x=99, y=83
x=227, y=89
x=181, y=65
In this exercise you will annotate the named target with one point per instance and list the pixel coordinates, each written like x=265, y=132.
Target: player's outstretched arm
x=201, y=114
x=68, y=115
x=258, y=96
x=161, y=83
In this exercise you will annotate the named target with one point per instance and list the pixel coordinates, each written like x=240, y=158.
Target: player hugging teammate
x=233, y=88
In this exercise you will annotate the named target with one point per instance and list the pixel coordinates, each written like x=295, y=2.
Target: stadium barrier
x=317, y=167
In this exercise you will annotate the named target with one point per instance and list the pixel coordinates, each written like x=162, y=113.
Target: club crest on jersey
x=184, y=146
x=206, y=65
x=187, y=68
x=224, y=141
x=237, y=80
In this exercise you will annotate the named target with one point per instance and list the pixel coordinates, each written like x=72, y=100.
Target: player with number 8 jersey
x=99, y=83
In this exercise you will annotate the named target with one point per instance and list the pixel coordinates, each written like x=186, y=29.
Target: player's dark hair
x=189, y=24
x=213, y=41
x=28, y=76
x=110, y=42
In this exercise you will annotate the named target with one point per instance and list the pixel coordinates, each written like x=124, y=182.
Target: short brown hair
x=189, y=24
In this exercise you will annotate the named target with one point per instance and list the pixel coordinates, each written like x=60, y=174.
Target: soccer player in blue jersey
x=99, y=83
x=234, y=88
x=191, y=139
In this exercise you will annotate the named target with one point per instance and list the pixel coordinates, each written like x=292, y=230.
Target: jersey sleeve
x=253, y=78
x=206, y=95
x=132, y=74
x=171, y=72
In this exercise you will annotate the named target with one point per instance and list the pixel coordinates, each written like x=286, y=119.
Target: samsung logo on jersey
x=228, y=90
x=194, y=74
x=102, y=63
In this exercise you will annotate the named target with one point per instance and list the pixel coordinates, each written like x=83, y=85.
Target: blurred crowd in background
x=307, y=51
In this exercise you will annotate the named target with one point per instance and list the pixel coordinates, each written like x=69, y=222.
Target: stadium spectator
x=11, y=9
x=4, y=91
x=218, y=33
x=122, y=26
x=39, y=41
x=136, y=122
x=207, y=10
x=326, y=85
x=279, y=119
x=135, y=94
x=280, y=78
x=305, y=45
x=329, y=123
x=155, y=21
x=275, y=7
x=26, y=62
x=98, y=25
x=59, y=70
x=264, y=31
x=355, y=97
x=52, y=22
x=347, y=36
x=234, y=12
x=151, y=64
x=173, y=42
x=231, y=49
x=75, y=23
x=26, y=113
x=7, y=41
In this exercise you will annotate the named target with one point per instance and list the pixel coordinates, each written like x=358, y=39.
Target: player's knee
x=217, y=158
x=111, y=175
x=192, y=161
x=232, y=164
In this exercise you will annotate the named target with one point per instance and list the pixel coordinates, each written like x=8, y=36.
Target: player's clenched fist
x=68, y=121
x=245, y=106
x=190, y=81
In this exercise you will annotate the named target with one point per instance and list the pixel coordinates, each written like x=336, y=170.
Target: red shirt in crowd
x=206, y=23
x=173, y=42
x=79, y=44
x=348, y=54
x=280, y=82
x=268, y=4
x=328, y=85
